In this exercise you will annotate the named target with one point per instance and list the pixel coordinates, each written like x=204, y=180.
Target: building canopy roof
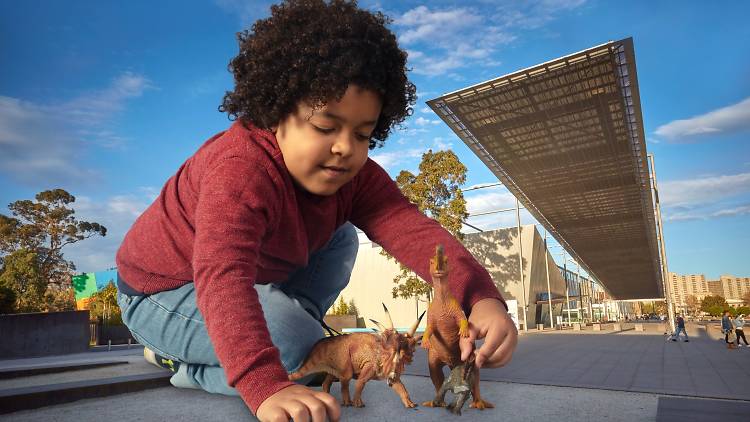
x=566, y=138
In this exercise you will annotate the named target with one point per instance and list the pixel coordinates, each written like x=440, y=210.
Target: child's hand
x=489, y=320
x=299, y=403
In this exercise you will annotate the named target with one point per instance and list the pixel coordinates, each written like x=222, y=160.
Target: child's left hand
x=489, y=320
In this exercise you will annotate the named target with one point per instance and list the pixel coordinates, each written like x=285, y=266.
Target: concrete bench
x=638, y=327
x=577, y=326
x=540, y=327
x=597, y=327
x=617, y=326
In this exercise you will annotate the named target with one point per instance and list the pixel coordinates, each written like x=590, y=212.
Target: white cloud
x=117, y=214
x=43, y=143
x=707, y=214
x=491, y=199
x=421, y=121
x=733, y=118
x=440, y=41
x=388, y=160
x=426, y=110
x=691, y=193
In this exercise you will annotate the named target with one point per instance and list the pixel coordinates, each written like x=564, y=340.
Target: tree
x=352, y=308
x=693, y=304
x=340, y=308
x=31, y=244
x=710, y=302
x=436, y=191
x=103, y=306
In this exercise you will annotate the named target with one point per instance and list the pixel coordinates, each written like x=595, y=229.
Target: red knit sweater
x=231, y=216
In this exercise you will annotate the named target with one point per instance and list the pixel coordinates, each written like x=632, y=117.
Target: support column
x=549, y=292
x=520, y=266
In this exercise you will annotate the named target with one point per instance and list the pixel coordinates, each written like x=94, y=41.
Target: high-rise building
x=729, y=287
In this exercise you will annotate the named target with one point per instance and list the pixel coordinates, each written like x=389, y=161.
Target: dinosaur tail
x=311, y=366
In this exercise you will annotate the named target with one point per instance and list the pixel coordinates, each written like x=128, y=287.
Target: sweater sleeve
x=390, y=220
x=233, y=213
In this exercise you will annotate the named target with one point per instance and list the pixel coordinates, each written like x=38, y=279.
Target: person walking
x=680, y=329
x=727, y=327
x=739, y=323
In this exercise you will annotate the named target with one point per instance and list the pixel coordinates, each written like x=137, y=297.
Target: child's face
x=325, y=148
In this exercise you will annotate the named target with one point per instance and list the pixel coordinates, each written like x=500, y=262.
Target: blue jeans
x=170, y=324
x=681, y=330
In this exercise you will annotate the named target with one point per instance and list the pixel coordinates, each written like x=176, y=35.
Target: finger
x=315, y=407
x=503, y=354
x=466, y=344
x=492, y=341
x=298, y=411
x=332, y=407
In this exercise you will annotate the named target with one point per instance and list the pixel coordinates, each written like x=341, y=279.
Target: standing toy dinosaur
x=446, y=324
x=361, y=356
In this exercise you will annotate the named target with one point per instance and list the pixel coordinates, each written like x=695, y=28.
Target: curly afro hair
x=312, y=50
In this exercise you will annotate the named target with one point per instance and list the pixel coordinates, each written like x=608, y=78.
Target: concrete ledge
x=617, y=326
x=597, y=327
x=27, y=371
x=576, y=326
x=638, y=327
x=540, y=327
x=15, y=399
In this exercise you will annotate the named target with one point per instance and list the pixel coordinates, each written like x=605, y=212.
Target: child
x=226, y=276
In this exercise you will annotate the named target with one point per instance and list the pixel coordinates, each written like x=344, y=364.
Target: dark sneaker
x=687, y=341
x=159, y=360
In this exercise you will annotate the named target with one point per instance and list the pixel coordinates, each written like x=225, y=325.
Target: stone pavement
x=624, y=376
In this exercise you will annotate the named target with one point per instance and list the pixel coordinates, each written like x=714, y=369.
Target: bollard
x=129, y=343
x=109, y=345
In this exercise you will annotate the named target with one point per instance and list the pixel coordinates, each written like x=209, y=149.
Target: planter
x=339, y=322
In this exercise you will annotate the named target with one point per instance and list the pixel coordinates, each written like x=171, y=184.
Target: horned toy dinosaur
x=446, y=324
x=362, y=356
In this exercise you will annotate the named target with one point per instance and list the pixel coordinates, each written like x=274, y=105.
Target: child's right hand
x=301, y=404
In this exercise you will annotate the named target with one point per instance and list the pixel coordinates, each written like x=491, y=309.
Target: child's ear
x=274, y=128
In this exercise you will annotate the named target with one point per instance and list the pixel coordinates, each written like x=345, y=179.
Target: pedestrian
x=680, y=328
x=727, y=327
x=226, y=276
x=739, y=323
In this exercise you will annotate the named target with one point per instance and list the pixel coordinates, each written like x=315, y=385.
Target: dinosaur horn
x=380, y=326
x=413, y=328
x=388, y=314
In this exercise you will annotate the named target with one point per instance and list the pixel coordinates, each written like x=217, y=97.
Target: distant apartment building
x=729, y=287
x=734, y=287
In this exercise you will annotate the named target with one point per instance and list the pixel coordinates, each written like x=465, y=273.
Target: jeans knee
x=346, y=239
x=293, y=357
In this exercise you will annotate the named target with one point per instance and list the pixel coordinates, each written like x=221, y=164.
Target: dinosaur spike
x=380, y=326
x=388, y=314
x=413, y=328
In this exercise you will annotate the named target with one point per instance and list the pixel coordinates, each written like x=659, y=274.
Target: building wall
x=372, y=278
x=734, y=287
x=729, y=287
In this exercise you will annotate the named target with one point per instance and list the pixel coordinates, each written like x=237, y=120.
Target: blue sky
x=107, y=99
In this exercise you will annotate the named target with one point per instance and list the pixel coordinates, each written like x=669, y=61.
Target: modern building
x=497, y=250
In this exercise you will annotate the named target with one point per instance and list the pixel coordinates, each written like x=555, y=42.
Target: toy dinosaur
x=360, y=356
x=459, y=382
x=446, y=324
